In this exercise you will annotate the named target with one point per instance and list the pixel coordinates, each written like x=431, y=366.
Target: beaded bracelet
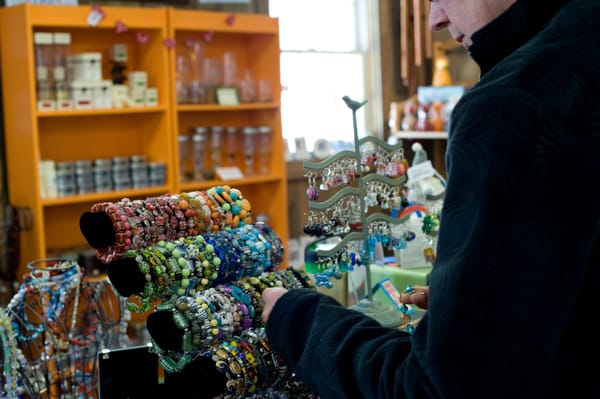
x=215, y=315
x=139, y=223
x=191, y=264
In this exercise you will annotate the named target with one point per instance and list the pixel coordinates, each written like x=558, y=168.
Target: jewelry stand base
x=386, y=315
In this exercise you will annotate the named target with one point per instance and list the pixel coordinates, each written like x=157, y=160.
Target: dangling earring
x=312, y=192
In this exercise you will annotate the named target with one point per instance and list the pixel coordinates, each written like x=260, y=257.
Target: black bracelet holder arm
x=126, y=277
x=98, y=229
x=124, y=274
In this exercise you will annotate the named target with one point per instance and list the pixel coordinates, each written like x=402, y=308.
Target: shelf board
x=105, y=196
x=246, y=181
x=107, y=111
x=410, y=135
x=217, y=107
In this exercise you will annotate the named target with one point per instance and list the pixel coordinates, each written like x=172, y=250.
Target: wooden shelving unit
x=32, y=136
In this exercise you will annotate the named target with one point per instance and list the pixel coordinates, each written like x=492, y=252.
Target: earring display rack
x=363, y=212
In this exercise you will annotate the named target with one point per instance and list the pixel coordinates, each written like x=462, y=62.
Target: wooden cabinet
x=32, y=136
x=253, y=41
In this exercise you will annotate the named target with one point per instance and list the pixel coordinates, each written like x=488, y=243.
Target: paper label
x=420, y=171
x=229, y=173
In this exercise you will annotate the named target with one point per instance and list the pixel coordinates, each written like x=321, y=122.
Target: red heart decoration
x=208, y=36
x=142, y=37
x=120, y=27
x=230, y=20
x=169, y=43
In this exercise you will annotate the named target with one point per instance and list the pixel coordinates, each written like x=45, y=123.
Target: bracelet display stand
x=54, y=327
x=368, y=187
x=200, y=264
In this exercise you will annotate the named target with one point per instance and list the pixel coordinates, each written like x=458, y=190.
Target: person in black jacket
x=514, y=294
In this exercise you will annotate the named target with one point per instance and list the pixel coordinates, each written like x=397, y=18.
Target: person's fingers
x=418, y=297
x=270, y=297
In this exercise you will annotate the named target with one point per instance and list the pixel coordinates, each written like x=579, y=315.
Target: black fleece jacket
x=515, y=290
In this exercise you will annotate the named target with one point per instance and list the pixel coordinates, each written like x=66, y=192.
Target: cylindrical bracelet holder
x=187, y=265
x=191, y=324
x=113, y=228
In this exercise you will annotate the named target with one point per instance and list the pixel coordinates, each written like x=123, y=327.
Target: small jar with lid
x=84, y=176
x=44, y=44
x=139, y=171
x=103, y=175
x=121, y=175
x=65, y=178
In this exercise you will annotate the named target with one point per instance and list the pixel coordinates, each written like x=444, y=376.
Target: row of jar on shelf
x=66, y=178
x=201, y=79
x=66, y=81
x=205, y=149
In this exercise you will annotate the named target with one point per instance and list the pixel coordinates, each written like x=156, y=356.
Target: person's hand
x=418, y=297
x=270, y=297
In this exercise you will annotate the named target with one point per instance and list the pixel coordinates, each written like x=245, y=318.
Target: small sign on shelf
x=229, y=173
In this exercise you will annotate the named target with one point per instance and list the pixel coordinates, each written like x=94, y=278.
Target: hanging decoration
x=96, y=15
x=142, y=37
x=230, y=20
x=120, y=27
x=208, y=36
x=169, y=42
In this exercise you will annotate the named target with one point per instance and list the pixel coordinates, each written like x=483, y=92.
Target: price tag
x=420, y=171
x=229, y=173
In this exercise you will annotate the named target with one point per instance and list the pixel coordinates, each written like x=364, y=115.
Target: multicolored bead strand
x=191, y=264
x=140, y=223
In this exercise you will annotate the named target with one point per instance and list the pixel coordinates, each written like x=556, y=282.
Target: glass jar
x=249, y=133
x=263, y=147
x=216, y=138
x=231, y=145
x=183, y=141
x=199, y=143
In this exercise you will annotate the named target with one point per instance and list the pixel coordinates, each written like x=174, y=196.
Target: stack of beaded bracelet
x=191, y=264
x=216, y=314
x=139, y=223
x=253, y=370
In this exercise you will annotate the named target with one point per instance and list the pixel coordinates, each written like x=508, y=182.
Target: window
x=328, y=50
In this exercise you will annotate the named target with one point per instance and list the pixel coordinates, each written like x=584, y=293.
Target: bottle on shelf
x=248, y=87
x=197, y=93
x=212, y=78
x=230, y=70
x=43, y=42
x=216, y=138
x=231, y=145
x=263, y=147
x=199, y=140
x=249, y=133
x=60, y=52
x=183, y=141
x=183, y=72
